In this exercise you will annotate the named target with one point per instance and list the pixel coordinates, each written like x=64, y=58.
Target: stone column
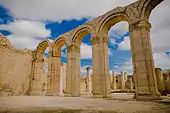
x=113, y=81
x=122, y=81
x=130, y=82
x=166, y=80
x=101, y=76
x=36, y=88
x=143, y=65
x=56, y=64
x=125, y=77
x=53, y=80
x=160, y=81
x=49, y=91
x=89, y=81
x=73, y=71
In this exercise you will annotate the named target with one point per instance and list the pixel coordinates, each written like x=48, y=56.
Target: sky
x=27, y=22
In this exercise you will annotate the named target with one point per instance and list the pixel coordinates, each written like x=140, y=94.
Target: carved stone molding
x=97, y=40
x=73, y=47
x=141, y=24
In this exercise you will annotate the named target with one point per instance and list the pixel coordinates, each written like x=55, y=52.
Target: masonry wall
x=15, y=69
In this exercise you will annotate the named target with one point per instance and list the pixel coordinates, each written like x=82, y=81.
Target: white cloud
x=26, y=34
x=124, y=45
x=85, y=51
x=60, y=9
x=162, y=60
x=117, y=31
x=160, y=27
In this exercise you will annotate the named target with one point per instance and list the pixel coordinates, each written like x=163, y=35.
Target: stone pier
x=113, y=81
x=122, y=81
x=89, y=81
x=160, y=81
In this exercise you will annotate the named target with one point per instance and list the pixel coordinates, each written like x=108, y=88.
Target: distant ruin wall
x=15, y=69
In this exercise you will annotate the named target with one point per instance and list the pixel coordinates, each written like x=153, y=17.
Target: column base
x=99, y=95
x=48, y=94
x=72, y=95
x=147, y=97
x=35, y=93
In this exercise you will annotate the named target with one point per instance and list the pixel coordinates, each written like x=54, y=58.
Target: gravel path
x=49, y=104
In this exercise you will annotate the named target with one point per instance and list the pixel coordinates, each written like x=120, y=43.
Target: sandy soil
x=49, y=104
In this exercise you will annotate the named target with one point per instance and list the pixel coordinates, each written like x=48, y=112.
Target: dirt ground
x=121, y=103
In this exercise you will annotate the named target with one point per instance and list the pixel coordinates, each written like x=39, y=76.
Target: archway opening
x=59, y=63
x=159, y=34
x=120, y=60
x=82, y=41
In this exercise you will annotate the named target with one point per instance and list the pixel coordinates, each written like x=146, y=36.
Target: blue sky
x=26, y=27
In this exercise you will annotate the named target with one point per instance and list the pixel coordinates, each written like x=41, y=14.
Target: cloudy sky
x=27, y=22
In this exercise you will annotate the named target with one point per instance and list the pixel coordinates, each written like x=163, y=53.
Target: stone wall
x=15, y=69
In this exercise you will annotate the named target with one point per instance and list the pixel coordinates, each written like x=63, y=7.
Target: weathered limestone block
x=160, y=81
x=12, y=61
x=113, y=81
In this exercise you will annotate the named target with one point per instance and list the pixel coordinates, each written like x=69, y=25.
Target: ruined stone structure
x=15, y=69
x=136, y=14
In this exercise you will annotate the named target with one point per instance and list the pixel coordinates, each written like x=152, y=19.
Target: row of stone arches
x=137, y=15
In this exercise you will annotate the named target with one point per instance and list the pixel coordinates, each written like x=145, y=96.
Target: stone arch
x=148, y=6
x=42, y=46
x=59, y=43
x=82, y=31
x=111, y=18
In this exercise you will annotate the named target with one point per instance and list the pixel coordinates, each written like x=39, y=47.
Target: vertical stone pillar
x=130, y=83
x=113, y=81
x=160, y=81
x=56, y=64
x=101, y=76
x=49, y=90
x=166, y=80
x=125, y=77
x=89, y=81
x=73, y=71
x=143, y=65
x=36, y=88
x=122, y=81
x=53, y=80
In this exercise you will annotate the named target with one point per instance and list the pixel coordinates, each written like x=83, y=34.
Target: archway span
x=59, y=43
x=42, y=46
x=110, y=19
x=81, y=32
x=148, y=6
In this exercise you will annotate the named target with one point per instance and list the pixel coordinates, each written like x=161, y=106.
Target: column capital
x=73, y=47
x=97, y=39
x=140, y=24
x=54, y=54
